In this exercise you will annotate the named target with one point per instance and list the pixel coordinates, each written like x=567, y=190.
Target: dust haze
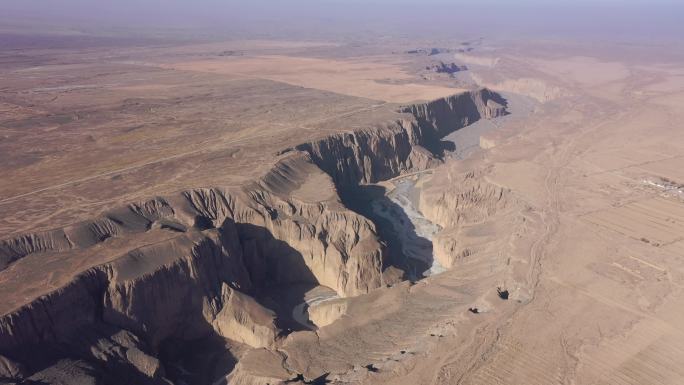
x=607, y=19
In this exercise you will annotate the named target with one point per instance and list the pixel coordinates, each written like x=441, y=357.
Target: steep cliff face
x=220, y=246
x=370, y=155
x=444, y=116
x=380, y=153
x=52, y=316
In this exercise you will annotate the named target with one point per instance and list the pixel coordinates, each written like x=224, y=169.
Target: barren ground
x=589, y=244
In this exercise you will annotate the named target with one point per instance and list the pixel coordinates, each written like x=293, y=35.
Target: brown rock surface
x=168, y=212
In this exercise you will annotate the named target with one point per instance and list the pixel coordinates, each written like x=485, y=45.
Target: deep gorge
x=219, y=250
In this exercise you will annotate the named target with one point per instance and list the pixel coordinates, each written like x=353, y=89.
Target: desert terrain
x=264, y=211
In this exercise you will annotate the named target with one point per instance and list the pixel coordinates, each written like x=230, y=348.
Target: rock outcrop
x=244, y=320
x=444, y=68
x=468, y=199
x=270, y=369
x=10, y=370
x=429, y=51
x=16, y=248
x=326, y=312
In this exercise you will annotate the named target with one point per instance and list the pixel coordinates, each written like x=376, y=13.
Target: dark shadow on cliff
x=283, y=299
x=437, y=146
x=91, y=354
x=200, y=361
x=278, y=273
x=361, y=200
x=279, y=281
x=499, y=99
x=194, y=353
x=299, y=379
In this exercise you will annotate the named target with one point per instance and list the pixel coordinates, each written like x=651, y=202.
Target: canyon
x=175, y=269
x=300, y=212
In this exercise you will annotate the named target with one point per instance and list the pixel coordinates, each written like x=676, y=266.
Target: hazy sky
x=321, y=17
